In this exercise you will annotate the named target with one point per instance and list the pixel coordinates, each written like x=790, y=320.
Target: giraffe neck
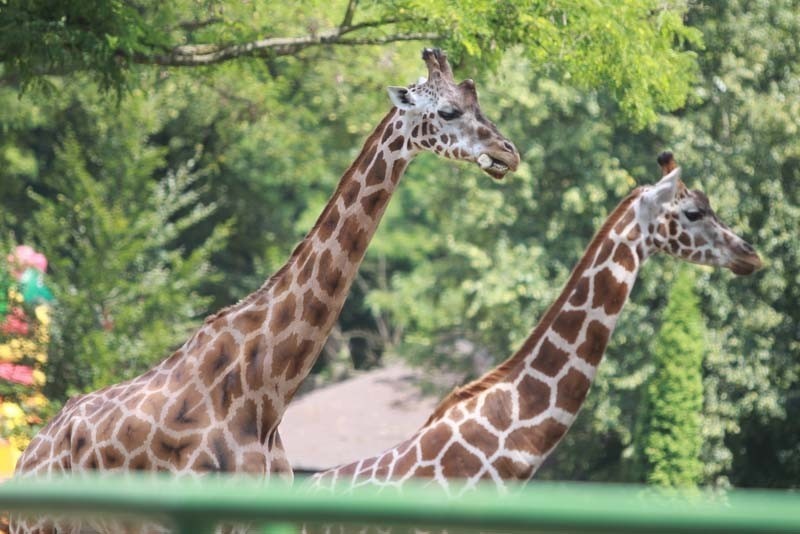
x=264, y=346
x=543, y=386
x=503, y=425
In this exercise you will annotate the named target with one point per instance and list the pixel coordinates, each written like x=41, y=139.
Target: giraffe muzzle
x=494, y=167
x=745, y=265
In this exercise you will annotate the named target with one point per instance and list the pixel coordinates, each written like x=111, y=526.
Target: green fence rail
x=198, y=505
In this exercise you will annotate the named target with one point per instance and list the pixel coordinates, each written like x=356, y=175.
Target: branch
x=192, y=25
x=373, y=24
x=205, y=54
x=348, y=14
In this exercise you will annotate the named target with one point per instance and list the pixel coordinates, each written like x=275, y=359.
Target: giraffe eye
x=693, y=215
x=449, y=114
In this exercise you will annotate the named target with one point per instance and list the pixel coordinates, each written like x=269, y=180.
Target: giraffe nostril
x=508, y=146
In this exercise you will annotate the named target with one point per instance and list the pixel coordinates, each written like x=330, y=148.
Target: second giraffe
x=502, y=426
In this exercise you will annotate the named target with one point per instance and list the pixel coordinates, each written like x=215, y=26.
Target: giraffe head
x=444, y=117
x=681, y=223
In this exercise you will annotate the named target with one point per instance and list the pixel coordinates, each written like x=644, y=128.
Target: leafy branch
x=208, y=54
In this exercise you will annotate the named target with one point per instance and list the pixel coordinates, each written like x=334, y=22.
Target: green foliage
x=112, y=234
x=670, y=437
x=462, y=267
x=41, y=37
x=634, y=48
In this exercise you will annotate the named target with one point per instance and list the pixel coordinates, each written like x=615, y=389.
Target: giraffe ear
x=401, y=97
x=666, y=188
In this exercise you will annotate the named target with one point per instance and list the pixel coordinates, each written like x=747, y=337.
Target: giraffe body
x=502, y=426
x=215, y=404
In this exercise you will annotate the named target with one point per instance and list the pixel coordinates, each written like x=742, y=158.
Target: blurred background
x=162, y=172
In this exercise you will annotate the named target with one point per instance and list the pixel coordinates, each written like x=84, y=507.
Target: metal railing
x=197, y=506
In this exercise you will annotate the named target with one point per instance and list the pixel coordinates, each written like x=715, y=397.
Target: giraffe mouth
x=747, y=265
x=495, y=168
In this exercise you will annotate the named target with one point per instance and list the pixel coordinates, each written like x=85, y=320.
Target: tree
x=669, y=439
x=459, y=261
x=586, y=40
x=143, y=300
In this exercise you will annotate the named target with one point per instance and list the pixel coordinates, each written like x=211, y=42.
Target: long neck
x=503, y=425
x=544, y=385
x=274, y=336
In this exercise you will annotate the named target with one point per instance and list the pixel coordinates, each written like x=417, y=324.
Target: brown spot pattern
x=624, y=257
x=250, y=320
x=353, y=239
x=350, y=193
x=140, y=462
x=509, y=469
x=397, y=170
x=608, y=292
x=594, y=345
x=307, y=270
x=397, y=143
x=111, y=457
x=289, y=355
x=568, y=324
x=534, y=397
x=377, y=174
x=283, y=314
x=497, y=409
x=105, y=428
x=374, y=202
x=133, y=432
x=580, y=292
x=254, y=354
x=244, y=425
x=384, y=464
x=405, y=463
x=153, y=403
x=367, y=158
x=217, y=358
x=427, y=471
x=624, y=222
x=673, y=227
x=222, y=453
x=315, y=312
x=458, y=462
x=329, y=222
x=329, y=277
x=537, y=439
x=572, y=389
x=387, y=133
x=433, y=440
x=174, y=450
x=223, y=394
x=268, y=417
x=477, y=436
x=188, y=411
x=550, y=359
x=605, y=252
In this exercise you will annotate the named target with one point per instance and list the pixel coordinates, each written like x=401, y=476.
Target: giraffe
x=215, y=404
x=502, y=426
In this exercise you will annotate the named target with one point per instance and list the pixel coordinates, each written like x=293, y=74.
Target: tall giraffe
x=502, y=426
x=215, y=404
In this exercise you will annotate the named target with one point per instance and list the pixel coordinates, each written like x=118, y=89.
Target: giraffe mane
x=497, y=374
x=373, y=139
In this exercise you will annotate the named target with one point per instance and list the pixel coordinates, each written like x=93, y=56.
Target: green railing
x=197, y=506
